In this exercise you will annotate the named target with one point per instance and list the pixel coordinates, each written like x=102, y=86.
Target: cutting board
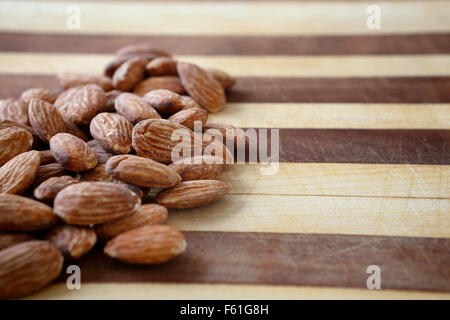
x=364, y=132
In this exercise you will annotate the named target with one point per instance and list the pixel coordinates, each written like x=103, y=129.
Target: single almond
x=28, y=267
x=48, y=189
x=199, y=168
x=97, y=174
x=164, y=101
x=134, y=108
x=113, y=65
x=141, y=171
x=188, y=117
x=39, y=93
x=17, y=174
x=129, y=74
x=73, y=79
x=88, y=203
x=146, y=215
x=73, y=242
x=14, y=141
x=48, y=171
x=72, y=153
x=8, y=239
x=45, y=119
x=162, y=66
x=225, y=80
x=24, y=214
x=147, y=245
x=100, y=151
x=192, y=194
x=113, y=131
x=14, y=110
x=171, y=83
x=201, y=86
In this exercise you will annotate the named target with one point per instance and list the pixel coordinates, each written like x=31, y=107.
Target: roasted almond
x=88, y=203
x=23, y=214
x=75, y=130
x=188, y=117
x=48, y=189
x=153, y=139
x=28, y=267
x=17, y=174
x=141, y=171
x=192, y=194
x=14, y=141
x=189, y=103
x=113, y=65
x=8, y=239
x=134, y=108
x=100, y=151
x=146, y=215
x=73, y=242
x=73, y=79
x=39, y=93
x=162, y=66
x=147, y=245
x=97, y=174
x=201, y=86
x=113, y=131
x=164, y=101
x=45, y=119
x=48, y=171
x=111, y=99
x=141, y=48
x=230, y=133
x=46, y=157
x=127, y=76
x=225, y=80
x=11, y=124
x=14, y=110
x=171, y=83
x=72, y=153
x=199, y=168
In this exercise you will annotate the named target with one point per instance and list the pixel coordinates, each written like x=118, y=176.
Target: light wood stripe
x=335, y=115
x=219, y=18
x=183, y=291
x=279, y=66
x=341, y=179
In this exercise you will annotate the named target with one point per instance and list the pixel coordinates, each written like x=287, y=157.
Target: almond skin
x=201, y=86
x=112, y=131
x=48, y=189
x=46, y=157
x=141, y=171
x=17, y=174
x=146, y=215
x=72, y=79
x=23, y=214
x=75, y=130
x=80, y=104
x=11, y=124
x=111, y=99
x=189, y=103
x=14, y=141
x=147, y=245
x=113, y=65
x=48, y=171
x=225, y=80
x=45, y=119
x=188, y=117
x=199, y=168
x=88, y=203
x=171, y=83
x=192, y=194
x=162, y=66
x=97, y=174
x=14, y=110
x=28, y=267
x=72, y=153
x=100, y=151
x=129, y=74
x=152, y=139
x=10, y=239
x=73, y=242
x=39, y=93
x=164, y=101
x=134, y=108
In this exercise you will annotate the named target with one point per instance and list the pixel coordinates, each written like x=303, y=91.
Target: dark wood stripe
x=289, y=259
x=233, y=45
x=314, y=90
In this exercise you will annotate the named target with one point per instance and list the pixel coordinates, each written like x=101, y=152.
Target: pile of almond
x=91, y=162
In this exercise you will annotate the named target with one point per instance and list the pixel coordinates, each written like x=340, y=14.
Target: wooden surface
x=364, y=119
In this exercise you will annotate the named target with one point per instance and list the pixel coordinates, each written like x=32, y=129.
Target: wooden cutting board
x=364, y=125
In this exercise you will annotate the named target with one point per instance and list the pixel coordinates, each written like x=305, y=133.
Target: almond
x=48, y=171
x=80, y=104
x=46, y=157
x=225, y=80
x=45, y=119
x=162, y=66
x=111, y=99
x=202, y=86
x=11, y=124
x=17, y=174
x=235, y=134
x=14, y=110
x=14, y=141
x=141, y=171
x=28, y=267
x=188, y=102
x=112, y=131
x=11, y=239
x=164, y=101
x=192, y=194
x=23, y=214
x=171, y=83
x=39, y=93
x=73, y=242
x=88, y=203
x=199, y=168
x=147, y=245
x=48, y=189
x=147, y=214
x=100, y=151
x=153, y=139
x=75, y=130
x=112, y=66
x=97, y=174
x=188, y=117
x=127, y=76
x=134, y=108
x=72, y=153
x=72, y=79
x=213, y=147
x=141, y=48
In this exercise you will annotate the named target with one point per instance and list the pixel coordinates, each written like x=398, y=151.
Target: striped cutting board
x=364, y=118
